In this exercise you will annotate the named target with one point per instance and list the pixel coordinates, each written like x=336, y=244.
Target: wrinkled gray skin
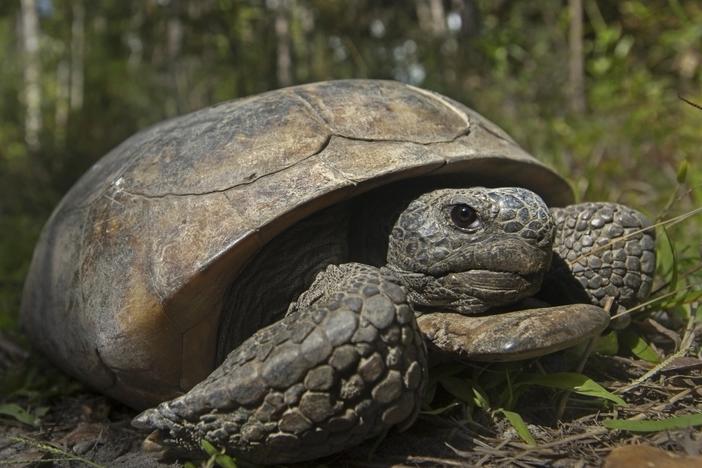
x=347, y=361
x=498, y=260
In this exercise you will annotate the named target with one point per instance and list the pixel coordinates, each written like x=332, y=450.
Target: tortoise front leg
x=345, y=364
x=602, y=251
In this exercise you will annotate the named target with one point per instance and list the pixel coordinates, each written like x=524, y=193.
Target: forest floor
x=53, y=421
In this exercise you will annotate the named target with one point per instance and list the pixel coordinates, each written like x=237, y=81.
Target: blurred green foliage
x=110, y=68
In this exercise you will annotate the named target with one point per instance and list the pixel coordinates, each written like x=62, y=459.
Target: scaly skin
x=602, y=251
x=347, y=362
x=499, y=261
x=346, y=366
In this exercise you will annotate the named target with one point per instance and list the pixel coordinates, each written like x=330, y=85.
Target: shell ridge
x=338, y=172
x=497, y=135
x=324, y=146
x=461, y=134
x=316, y=114
x=250, y=181
x=447, y=104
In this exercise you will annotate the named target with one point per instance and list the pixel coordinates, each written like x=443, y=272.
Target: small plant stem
x=651, y=301
x=685, y=275
x=685, y=344
x=52, y=449
x=485, y=458
x=689, y=102
x=667, y=222
x=563, y=402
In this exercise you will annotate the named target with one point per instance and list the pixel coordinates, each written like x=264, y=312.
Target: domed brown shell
x=126, y=285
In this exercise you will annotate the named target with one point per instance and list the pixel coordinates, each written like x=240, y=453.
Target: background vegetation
x=590, y=86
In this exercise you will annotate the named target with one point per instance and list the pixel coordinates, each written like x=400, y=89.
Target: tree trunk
x=174, y=45
x=282, y=32
x=63, y=97
x=438, y=16
x=32, y=74
x=431, y=16
x=576, y=69
x=77, y=55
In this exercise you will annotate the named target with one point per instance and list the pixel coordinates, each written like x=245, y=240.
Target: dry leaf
x=649, y=457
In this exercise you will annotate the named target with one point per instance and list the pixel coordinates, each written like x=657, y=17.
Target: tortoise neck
x=372, y=218
x=279, y=273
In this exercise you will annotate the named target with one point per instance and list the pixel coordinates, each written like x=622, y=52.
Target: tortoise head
x=472, y=249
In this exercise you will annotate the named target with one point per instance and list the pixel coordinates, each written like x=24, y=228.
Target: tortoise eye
x=464, y=217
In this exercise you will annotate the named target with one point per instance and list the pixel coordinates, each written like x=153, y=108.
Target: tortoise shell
x=127, y=281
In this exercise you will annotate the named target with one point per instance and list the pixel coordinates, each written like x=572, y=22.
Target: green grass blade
x=689, y=297
x=681, y=175
x=442, y=409
x=515, y=419
x=460, y=388
x=225, y=461
x=637, y=346
x=672, y=259
x=577, y=383
x=480, y=398
x=18, y=413
x=651, y=425
x=219, y=457
x=209, y=448
x=46, y=447
x=607, y=344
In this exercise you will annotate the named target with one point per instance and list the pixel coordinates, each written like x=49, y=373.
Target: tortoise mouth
x=488, y=281
x=493, y=288
x=471, y=292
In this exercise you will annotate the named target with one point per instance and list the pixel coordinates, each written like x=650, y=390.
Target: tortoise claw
x=143, y=420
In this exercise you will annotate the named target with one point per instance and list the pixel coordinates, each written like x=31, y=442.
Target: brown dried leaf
x=645, y=455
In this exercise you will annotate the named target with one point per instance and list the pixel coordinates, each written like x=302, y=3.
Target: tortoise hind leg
x=602, y=251
x=345, y=364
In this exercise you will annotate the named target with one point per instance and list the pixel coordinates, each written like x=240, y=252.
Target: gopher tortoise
x=271, y=272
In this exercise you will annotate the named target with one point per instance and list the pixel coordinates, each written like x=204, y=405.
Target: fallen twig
x=54, y=450
x=685, y=344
